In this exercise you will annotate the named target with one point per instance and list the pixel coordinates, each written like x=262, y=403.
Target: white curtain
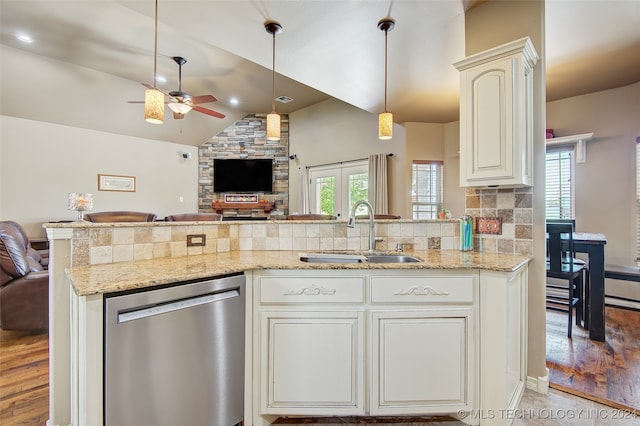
x=378, y=183
x=304, y=191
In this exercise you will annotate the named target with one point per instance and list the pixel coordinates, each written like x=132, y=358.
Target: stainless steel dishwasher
x=175, y=355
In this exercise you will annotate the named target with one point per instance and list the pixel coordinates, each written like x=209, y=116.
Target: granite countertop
x=113, y=277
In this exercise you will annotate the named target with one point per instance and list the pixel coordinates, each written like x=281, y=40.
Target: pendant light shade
x=385, y=126
x=153, y=98
x=385, y=119
x=153, y=106
x=273, y=119
x=273, y=126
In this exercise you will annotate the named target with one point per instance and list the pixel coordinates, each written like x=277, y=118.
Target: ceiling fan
x=181, y=102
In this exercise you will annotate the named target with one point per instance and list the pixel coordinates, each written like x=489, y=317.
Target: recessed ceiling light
x=161, y=79
x=234, y=101
x=24, y=37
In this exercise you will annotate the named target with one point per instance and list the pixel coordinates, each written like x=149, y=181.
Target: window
x=334, y=189
x=426, y=189
x=560, y=190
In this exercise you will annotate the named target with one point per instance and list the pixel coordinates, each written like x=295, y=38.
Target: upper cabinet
x=496, y=116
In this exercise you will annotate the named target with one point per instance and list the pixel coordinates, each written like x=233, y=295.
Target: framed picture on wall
x=116, y=183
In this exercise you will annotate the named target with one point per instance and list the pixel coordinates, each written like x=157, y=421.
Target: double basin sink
x=357, y=258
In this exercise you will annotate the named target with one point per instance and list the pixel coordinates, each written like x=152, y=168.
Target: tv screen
x=242, y=175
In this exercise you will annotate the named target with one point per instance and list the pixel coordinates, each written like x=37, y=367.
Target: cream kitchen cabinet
x=496, y=115
x=311, y=343
x=422, y=343
x=416, y=354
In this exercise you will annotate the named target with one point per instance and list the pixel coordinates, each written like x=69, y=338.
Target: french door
x=334, y=189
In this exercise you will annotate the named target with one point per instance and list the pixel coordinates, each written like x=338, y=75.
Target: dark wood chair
x=584, y=312
x=120, y=216
x=194, y=217
x=379, y=216
x=311, y=216
x=561, y=265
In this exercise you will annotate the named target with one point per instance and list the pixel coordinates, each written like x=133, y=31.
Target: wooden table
x=593, y=246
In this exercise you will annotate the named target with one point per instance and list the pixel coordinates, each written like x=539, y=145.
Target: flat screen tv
x=242, y=175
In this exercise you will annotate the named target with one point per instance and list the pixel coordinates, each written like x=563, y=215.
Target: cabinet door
x=488, y=150
x=421, y=361
x=496, y=114
x=312, y=363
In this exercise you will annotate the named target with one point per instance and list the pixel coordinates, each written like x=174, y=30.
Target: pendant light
x=273, y=119
x=385, y=119
x=153, y=98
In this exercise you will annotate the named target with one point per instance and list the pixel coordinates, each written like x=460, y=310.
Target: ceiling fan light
x=273, y=126
x=180, y=108
x=385, y=126
x=153, y=106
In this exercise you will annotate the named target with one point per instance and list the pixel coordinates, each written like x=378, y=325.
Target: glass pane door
x=334, y=189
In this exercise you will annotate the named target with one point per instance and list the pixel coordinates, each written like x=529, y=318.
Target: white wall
x=606, y=183
x=40, y=163
x=440, y=142
x=333, y=131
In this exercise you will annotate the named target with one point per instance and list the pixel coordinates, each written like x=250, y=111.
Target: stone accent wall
x=247, y=138
x=514, y=206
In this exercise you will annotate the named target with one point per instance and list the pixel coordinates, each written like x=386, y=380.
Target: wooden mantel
x=220, y=206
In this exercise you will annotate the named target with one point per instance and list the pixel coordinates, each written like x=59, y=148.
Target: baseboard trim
x=539, y=384
x=621, y=302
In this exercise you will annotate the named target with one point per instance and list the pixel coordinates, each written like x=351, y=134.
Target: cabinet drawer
x=422, y=289
x=304, y=289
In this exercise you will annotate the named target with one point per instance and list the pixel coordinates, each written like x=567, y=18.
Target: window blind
x=426, y=189
x=559, y=184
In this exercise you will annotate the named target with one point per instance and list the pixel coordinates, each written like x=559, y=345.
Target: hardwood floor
x=24, y=378
x=606, y=372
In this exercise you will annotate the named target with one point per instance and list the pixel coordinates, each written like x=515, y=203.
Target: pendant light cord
x=155, y=49
x=385, y=70
x=273, y=74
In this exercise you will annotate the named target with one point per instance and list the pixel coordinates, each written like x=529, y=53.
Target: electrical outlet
x=196, y=240
x=489, y=225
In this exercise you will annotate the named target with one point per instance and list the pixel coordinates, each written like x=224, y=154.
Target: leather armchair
x=120, y=216
x=24, y=281
x=194, y=217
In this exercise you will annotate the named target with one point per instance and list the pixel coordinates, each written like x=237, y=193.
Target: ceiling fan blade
x=203, y=99
x=208, y=111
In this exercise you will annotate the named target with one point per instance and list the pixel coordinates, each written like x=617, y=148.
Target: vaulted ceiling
x=88, y=57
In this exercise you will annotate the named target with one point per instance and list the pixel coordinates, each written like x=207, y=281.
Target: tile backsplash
x=515, y=207
x=101, y=245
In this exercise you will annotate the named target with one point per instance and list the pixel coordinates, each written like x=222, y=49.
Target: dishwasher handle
x=175, y=305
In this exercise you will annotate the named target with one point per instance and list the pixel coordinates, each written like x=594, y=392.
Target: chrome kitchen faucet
x=372, y=225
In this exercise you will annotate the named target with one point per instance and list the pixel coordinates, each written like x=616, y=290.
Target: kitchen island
x=482, y=307
x=470, y=297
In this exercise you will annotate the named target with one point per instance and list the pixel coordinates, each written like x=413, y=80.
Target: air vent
x=284, y=99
